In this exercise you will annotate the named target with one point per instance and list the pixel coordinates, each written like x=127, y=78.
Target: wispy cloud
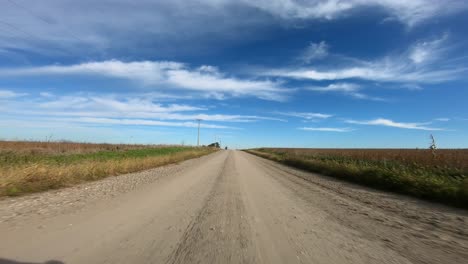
x=408, y=12
x=427, y=51
x=314, y=51
x=442, y=119
x=120, y=110
x=46, y=94
x=391, y=123
x=306, y=115
x=36, y=27
x=10, y=94
x=327, y=129
x=206, y=79
x=114, y=104
x=424, y=62
x=367, y=97
x=350, y=89
x=337, y=87
x=139, y=122
x=382, y=71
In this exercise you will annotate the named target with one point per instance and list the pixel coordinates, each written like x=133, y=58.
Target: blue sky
x=318, y=73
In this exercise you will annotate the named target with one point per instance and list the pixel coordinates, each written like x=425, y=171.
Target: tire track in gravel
x=220, y=233
x=420, y=231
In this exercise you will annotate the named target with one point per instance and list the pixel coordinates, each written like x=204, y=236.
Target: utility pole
x=198, y=139
x=433, y=146
x=218, y=140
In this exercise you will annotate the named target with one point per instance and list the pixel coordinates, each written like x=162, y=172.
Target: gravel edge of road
x=74, y=198
x=378, y=184
x=411, y=208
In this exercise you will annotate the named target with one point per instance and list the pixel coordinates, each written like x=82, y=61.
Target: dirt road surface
x=230, y=207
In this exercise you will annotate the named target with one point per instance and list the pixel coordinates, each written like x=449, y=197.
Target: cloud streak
x=306, y=115
x=327, y=129
x=36, y=27
x=424, y=62
x=314, y=51
x=120, y=110
x=387, y=70
x=391, y=123
x=350, y=89
x=206, y=79
x=138, y=122
x=408, y=12
x=10, y=94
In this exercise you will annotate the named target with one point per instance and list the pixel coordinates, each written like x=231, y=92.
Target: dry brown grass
x=452, y=158
x=66, y=147
x=443, y=177
x=39, y=166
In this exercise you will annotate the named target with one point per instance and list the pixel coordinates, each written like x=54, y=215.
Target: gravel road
x=228, y=207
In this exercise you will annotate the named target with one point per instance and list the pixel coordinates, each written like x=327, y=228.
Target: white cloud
x=385, y=71
x=140, y=122
x=367, y=97
x=327, y=129
x=39, y=26
x=350, y=89
x=419, y=55
x=106, y=104
x=411, y=86
x=119, y=107
x=337, y=87
x=390, y=123
x=306, y=115
x=427, y=51
x=46, y=27
x=150, y=72
x=442, y=119
x=409, y=12
x=46, y=94
x=206, y=79
x=10, y=94
x=214, y=81
x=423, y=62
x=314, y=51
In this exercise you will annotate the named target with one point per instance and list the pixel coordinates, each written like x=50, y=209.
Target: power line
x=41, y=39
x=198, y=139
x=41, y=18
x=19, y=29
x=32, y=37
x=30, y=12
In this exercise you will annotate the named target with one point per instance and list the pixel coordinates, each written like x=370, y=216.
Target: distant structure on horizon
x=214, y=145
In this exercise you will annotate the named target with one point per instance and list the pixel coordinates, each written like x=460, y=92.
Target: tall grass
x=66, y=147
x=451, y=158
x=38, y=166
x=412, y=172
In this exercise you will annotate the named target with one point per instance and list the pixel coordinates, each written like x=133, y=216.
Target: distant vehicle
x=214, y=145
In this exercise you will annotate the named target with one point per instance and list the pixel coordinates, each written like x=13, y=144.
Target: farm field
x=440, y=176
x=27, y=167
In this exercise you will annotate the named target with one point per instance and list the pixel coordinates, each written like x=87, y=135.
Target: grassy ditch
x=24, y=170
x=437, y=183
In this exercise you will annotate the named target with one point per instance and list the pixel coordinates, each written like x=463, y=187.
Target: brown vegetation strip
x=27, y=173
x=442, y=181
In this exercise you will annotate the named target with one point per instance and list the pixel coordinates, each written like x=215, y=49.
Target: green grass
x=437, y=183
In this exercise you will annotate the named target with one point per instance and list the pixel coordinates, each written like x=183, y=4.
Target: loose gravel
x=74, y=198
